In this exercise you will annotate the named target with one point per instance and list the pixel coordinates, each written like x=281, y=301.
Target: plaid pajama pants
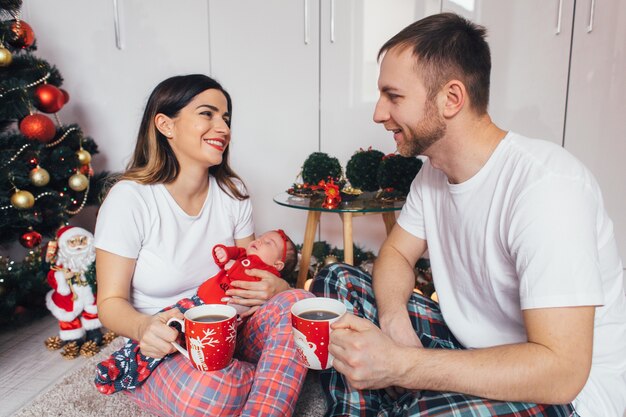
x=354, y=288
x=264, y=379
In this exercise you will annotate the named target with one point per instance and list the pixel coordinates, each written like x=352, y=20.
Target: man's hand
x=367, y=357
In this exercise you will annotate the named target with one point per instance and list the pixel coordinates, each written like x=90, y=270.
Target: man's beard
x=428, y=130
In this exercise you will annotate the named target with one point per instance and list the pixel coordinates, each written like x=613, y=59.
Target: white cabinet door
x=530, y=44
x=352, y=32
x=109, y=86
x=596, y=126
x=266, y=54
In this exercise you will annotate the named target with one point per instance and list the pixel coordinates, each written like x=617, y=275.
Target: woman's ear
x=279, y=265
x=164, y=124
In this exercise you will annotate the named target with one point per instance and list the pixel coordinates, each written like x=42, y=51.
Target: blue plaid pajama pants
x=354, y=288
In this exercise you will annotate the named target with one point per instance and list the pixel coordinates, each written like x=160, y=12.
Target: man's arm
x=394, y=281
x=552, y=367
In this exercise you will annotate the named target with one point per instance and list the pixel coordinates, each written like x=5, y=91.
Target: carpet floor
x=76, y=396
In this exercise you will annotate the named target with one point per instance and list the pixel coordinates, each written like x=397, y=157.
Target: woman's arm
x=114, y=275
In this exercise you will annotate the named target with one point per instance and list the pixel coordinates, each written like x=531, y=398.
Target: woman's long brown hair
x=154, y=161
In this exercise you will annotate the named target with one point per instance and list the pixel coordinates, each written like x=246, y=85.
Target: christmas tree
x=45, y=165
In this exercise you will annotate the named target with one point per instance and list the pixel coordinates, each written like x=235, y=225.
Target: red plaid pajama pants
x=354, y=288
x=264, y=379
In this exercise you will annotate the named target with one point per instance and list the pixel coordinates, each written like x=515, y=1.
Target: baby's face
x=269, y=247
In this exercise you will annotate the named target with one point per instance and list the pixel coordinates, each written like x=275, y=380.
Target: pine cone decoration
x=53, y=343
x=319, y=166
x=89, y=348
x=108, y=338
x=70, y=350
x=362, y=169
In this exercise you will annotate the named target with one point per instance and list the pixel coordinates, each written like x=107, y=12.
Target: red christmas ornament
x=23, y=35
x=30, y=239
x=86, y=170
x=38, y=127
x=66, y=96
x=48, y=98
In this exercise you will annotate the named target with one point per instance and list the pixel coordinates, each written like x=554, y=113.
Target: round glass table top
x=365, y=203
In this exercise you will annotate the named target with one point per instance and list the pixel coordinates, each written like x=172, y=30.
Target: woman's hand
x=156, y=336
x=255, y=293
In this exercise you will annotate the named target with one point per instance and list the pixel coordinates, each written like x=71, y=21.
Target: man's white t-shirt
x=172, y=248
x=529, y=230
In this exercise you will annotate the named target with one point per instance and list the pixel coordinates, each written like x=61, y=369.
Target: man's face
x=404, y=107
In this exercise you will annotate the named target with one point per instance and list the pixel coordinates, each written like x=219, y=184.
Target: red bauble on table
x=38, y=127
x=23, y=35
x=30, y=239
x=48, y=98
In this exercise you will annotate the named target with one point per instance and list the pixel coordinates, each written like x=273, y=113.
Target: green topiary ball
x=362, y=169
x=319, y=166
x=397, y=172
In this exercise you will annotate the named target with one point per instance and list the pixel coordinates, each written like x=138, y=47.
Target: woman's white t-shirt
x=172, y=249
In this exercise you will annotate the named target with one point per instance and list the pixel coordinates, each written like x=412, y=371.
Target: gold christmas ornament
x=78, y=182
x=330, y=259
x=39, y=177
x=84, y=157
x=22, y=200
x=5, y=57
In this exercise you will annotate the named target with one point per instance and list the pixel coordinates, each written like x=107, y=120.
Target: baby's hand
x=220, y=254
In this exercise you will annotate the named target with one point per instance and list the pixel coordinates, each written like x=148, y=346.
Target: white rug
x=76, y=396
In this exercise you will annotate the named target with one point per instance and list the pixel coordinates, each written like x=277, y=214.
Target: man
x=532, y=318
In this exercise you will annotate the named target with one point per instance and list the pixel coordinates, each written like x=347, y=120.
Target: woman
x=155, y=230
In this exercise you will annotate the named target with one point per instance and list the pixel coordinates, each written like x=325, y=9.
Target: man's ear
x=454, y=96
x=279, y=265
x=165, y=125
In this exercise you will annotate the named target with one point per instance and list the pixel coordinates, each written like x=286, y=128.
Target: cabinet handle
x=558, y=18
x=591, y=13
x=116, y=24
x=332, y=21
x=306, y=22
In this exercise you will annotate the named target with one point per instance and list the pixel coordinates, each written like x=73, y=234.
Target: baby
x=273, y=251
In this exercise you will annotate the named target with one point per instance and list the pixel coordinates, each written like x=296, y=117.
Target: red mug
x=210, y=336
x=310, y=320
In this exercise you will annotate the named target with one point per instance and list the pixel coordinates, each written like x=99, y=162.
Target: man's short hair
x=446, y=47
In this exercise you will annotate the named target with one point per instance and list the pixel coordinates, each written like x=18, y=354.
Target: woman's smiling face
x=200, y=132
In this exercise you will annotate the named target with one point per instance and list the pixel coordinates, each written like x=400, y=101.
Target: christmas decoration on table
x=72, y=299
x=45, y=166
x=319, y=166
x=348, y=193
x=395, y=175
x=302, y=190
x=332, y=198
x=362, y=169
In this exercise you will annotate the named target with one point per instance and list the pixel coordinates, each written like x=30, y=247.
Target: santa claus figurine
x=72, y=300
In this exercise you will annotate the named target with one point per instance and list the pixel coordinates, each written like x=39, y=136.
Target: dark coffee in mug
x=210, y=318
x=318, y=315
